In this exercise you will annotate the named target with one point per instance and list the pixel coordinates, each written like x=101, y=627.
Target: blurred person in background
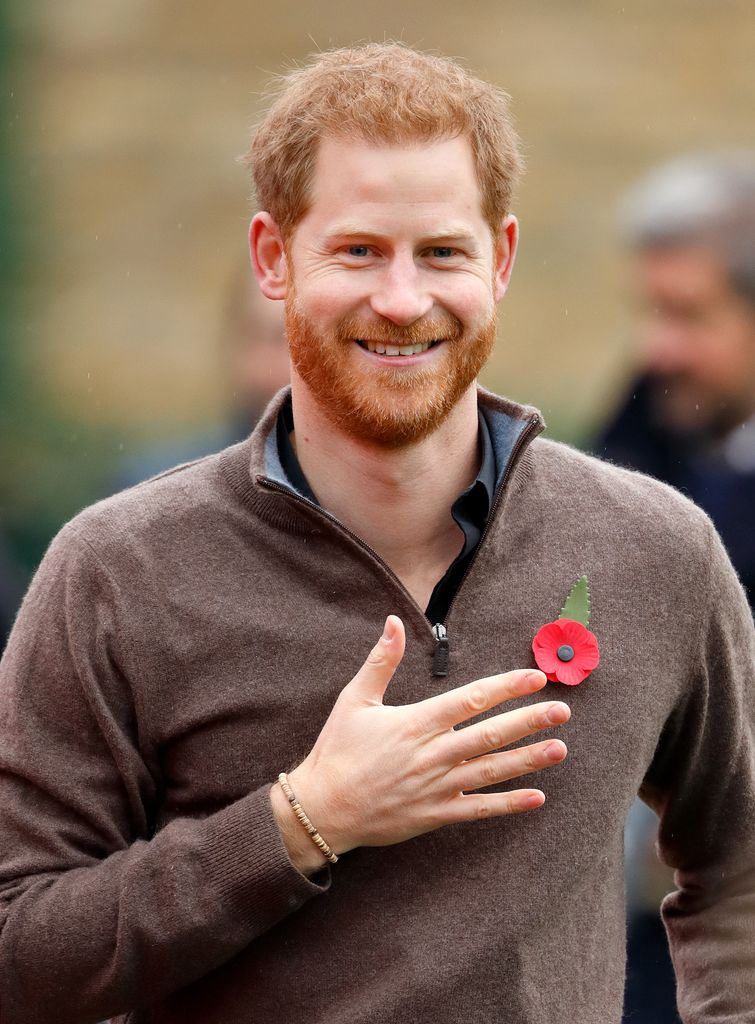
x=689, y=416
x=688, y=419
x=253, y=351
x=187, y=640
x=254, y=358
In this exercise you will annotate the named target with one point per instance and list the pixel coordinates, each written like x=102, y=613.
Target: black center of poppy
x=565, y=652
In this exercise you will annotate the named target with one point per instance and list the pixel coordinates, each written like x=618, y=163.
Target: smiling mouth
x=385, y=348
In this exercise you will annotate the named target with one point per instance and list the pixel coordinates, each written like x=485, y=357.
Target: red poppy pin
x=566, y=650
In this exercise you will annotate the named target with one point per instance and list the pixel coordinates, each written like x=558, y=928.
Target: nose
x=400, y=293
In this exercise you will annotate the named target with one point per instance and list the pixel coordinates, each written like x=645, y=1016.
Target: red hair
x=382, y=93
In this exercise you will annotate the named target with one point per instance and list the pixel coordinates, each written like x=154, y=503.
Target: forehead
x=357, y=180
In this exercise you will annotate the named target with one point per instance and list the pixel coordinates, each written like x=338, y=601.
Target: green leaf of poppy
x=577, y=605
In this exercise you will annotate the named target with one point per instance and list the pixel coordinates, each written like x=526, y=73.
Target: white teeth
x=395, y=350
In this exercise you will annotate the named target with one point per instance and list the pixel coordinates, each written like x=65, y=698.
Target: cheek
x=473, y=303
x=728, y=354
x=330, y=298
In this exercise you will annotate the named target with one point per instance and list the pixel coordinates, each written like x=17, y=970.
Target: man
x=189, y=640
x=689, y=418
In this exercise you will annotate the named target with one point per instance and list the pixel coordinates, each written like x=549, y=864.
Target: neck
x=397, y=500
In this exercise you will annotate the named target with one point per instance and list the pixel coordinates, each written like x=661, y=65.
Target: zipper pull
x=440, y=657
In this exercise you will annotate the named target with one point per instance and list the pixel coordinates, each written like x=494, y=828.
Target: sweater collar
x=282, y=464
x=254, y=470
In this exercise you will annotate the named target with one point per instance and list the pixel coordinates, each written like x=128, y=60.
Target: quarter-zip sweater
x=186, y=640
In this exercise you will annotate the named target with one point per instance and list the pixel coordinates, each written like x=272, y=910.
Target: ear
x=505, y=252
x=268, y=256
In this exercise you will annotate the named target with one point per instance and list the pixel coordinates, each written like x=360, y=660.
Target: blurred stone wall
x=133, y=112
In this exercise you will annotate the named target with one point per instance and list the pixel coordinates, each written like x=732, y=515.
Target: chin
x=388, y=412
x=385, y=426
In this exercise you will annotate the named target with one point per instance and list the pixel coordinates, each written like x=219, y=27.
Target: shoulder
x=162, y=512
x=653, y=554
x=629, y=506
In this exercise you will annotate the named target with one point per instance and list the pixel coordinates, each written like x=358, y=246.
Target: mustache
x=444, y=327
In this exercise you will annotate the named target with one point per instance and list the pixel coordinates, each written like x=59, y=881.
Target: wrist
x=325, y=810
x=302, y=852
x=304, y=820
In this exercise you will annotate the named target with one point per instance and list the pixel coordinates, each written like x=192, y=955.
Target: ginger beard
x=386, y=407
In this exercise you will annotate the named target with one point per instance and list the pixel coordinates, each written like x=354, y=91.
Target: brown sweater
x=185, y=640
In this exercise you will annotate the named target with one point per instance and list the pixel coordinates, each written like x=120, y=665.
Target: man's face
x=697, y=340
x=392, y=284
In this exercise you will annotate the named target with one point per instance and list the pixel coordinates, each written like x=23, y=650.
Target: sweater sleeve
x=702, y=784
x=100, y=913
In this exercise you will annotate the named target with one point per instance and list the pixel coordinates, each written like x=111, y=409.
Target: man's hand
x=378, y=775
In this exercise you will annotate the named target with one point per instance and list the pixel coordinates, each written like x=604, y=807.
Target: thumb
x=371, y=681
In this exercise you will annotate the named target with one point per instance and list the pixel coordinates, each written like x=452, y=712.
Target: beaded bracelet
x=314, y=835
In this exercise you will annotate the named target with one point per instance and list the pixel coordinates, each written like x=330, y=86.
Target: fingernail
x=389, y=631
x=554, y=752
x=535, y=800
x=535, y=677
x=555, y=714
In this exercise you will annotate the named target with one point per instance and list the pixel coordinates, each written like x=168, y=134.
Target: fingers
x=449, y=709
x=472, y=807
x=504, y=729
x=492, y=769
x=371, y=681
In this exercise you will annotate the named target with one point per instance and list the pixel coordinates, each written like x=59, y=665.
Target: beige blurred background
x=126, y=120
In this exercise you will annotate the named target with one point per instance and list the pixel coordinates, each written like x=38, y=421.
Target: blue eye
x=359, y=250
x=442, y=252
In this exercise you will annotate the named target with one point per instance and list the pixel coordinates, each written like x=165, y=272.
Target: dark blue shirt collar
x=471, y=508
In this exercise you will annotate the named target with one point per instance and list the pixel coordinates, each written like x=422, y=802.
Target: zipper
x=440, y=655
x=439, y=631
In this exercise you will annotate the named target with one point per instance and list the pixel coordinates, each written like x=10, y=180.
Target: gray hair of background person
x=706, y=199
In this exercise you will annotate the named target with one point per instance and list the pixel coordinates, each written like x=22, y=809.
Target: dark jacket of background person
x=11, y=584
x=723, y=485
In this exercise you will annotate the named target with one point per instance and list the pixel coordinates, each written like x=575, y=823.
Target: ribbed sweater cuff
x=248, y=866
